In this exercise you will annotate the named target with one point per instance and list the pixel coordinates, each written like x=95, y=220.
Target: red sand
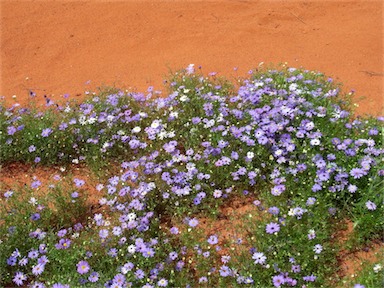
x=54, y=47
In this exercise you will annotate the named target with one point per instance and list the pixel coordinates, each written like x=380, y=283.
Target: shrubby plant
x=284, y=141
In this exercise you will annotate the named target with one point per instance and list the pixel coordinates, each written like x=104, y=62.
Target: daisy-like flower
x=377, y=268
x=38, y=269
x=193, y=222
x=162, y=282
x=357, y=173
x=46, y=132
x=19, y=278
x=259, y=257
x=83, y=267
x=278, y=280
x=370, y=205
x=190, y=69
x=213, y=240
x=272, y=228
x=94, y=277
x=318, y=248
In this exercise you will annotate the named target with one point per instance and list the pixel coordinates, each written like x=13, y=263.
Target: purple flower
x=278, y=280
x=23, y=261
x=94, y=277
x=277, y=190
x=35, y=216
x=296, y=268
x=59, y=285
x=83, y=267
x=8, y=194
x=174, y=230
x=139, y=274
x=370, y=205
x=46, y=132
x=148, y=252
x=213, y=240
x=173, y=255
x=38, y=269
x=43, y=260
x=203, y=279
x=35, y=184
x=272, y=228
x=358, y=285
x=103, y=233
x=63, y=244
x=33, y=254
x=32, y=148
x=274, y=210
x=11, y=130
x=78, y=182
x=357, y=173
x=193, y=222
x=217, y=193
x=311, y=201
x=310, y=278
x=119, y=279
x=11, y=261
x=225, y=271
x=62, y=233
x=19, y=278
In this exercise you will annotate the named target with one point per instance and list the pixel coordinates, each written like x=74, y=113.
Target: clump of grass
x=285, y=141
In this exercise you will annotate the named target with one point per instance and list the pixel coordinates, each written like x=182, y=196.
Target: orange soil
x=54, y=47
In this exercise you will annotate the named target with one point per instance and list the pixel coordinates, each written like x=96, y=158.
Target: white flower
x=151, y=185
x=131, y=249
x=250, y=155
x=174, y=114
x=171, y=134
x=318, y=248
x=92, y=120
x=137, y=129
x=33, y=201
x=309, y=126
x=209, y=124
x=184, y=98
x=162, y=134
x=278, y=152
x=315, y=142
x=377, y=268
x=259, y=257
x=155, y=124
x=293, y=87
x=103, y=201
x=82, y=120
x=191, y=166
x=131, y=216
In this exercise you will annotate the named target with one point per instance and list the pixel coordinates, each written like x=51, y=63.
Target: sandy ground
x=55, y=47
